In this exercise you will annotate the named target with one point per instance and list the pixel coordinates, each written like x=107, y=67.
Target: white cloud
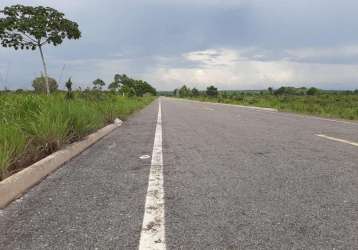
x=214, y=57
x=228, y=70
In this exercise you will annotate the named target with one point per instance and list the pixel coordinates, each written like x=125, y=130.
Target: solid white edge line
x=227, y=104
x=153, y=227
x=338, y=140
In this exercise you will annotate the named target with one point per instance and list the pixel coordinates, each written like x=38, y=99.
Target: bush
x=39, y=84
x=312, y=91
x=211, y=91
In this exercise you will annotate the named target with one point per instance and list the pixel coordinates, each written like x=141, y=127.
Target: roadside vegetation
x=35, y=125
x=313, y=101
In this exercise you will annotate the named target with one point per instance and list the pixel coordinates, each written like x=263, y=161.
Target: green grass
x=332, y=105
x=33, y=126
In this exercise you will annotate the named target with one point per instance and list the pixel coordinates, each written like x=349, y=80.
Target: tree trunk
x=45, y=70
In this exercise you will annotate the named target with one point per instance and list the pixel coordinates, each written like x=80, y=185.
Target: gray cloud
x=234, y=44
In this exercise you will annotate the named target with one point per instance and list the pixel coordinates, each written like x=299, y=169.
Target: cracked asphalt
x=234, y=178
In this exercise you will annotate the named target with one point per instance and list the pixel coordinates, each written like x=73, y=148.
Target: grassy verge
x=33, y=126
x=326, y=105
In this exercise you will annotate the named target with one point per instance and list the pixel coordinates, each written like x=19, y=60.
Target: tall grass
x=12, y=144
x=32, y=126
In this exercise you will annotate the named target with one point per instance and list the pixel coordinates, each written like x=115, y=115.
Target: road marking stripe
x=210, y=109
x=339, y=140
x=153, y=228
x=227, y=104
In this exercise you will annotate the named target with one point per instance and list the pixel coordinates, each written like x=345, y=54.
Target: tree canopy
x=131, y=87
x=313, y=91
x=184, y=91
x=28, y=27
x=195, y=92
x=98, y=84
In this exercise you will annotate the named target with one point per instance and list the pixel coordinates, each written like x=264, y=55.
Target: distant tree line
x=121, y=84
x=295, y=91
x=185, y=91
x=212, y=91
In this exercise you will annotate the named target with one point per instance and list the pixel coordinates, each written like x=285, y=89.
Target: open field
x=332, y=105
x=33, y=126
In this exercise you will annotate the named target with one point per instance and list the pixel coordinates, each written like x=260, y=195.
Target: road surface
x=220, y=177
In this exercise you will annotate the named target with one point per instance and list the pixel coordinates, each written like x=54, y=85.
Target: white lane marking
x=210, y=109
x=339, y=140
x=332, y=120
x=143, y=157
x=227, y=104
x=153, y=228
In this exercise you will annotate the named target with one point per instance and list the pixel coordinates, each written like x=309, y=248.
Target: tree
x=212, y=91
x=176, y=92
x=27, y=27
x=184, y=91
x=195, y=92
x=115, y=85
x=128, y=91
x=144, y=88
x=280, y=91
x=312, y=91
x=98, y=84
x=40, y=86
x=129, y=86
x=290, y=91
x=270, y=90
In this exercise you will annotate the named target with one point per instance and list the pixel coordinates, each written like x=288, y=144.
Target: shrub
x=39, y=84
x=211, y=91
x=312, y=91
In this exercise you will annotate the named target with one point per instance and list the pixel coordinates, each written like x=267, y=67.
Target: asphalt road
x=234, y=178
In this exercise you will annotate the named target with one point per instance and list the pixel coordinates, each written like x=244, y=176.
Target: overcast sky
x=233, y=44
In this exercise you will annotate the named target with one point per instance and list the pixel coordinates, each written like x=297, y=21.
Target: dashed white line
x=153, y=228
x=338, y=140
x=210, y=109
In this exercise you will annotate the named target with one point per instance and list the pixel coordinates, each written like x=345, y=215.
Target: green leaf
x=29, y=27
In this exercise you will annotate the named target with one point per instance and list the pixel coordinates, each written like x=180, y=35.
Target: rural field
x=33, y=126
x=331, y=104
